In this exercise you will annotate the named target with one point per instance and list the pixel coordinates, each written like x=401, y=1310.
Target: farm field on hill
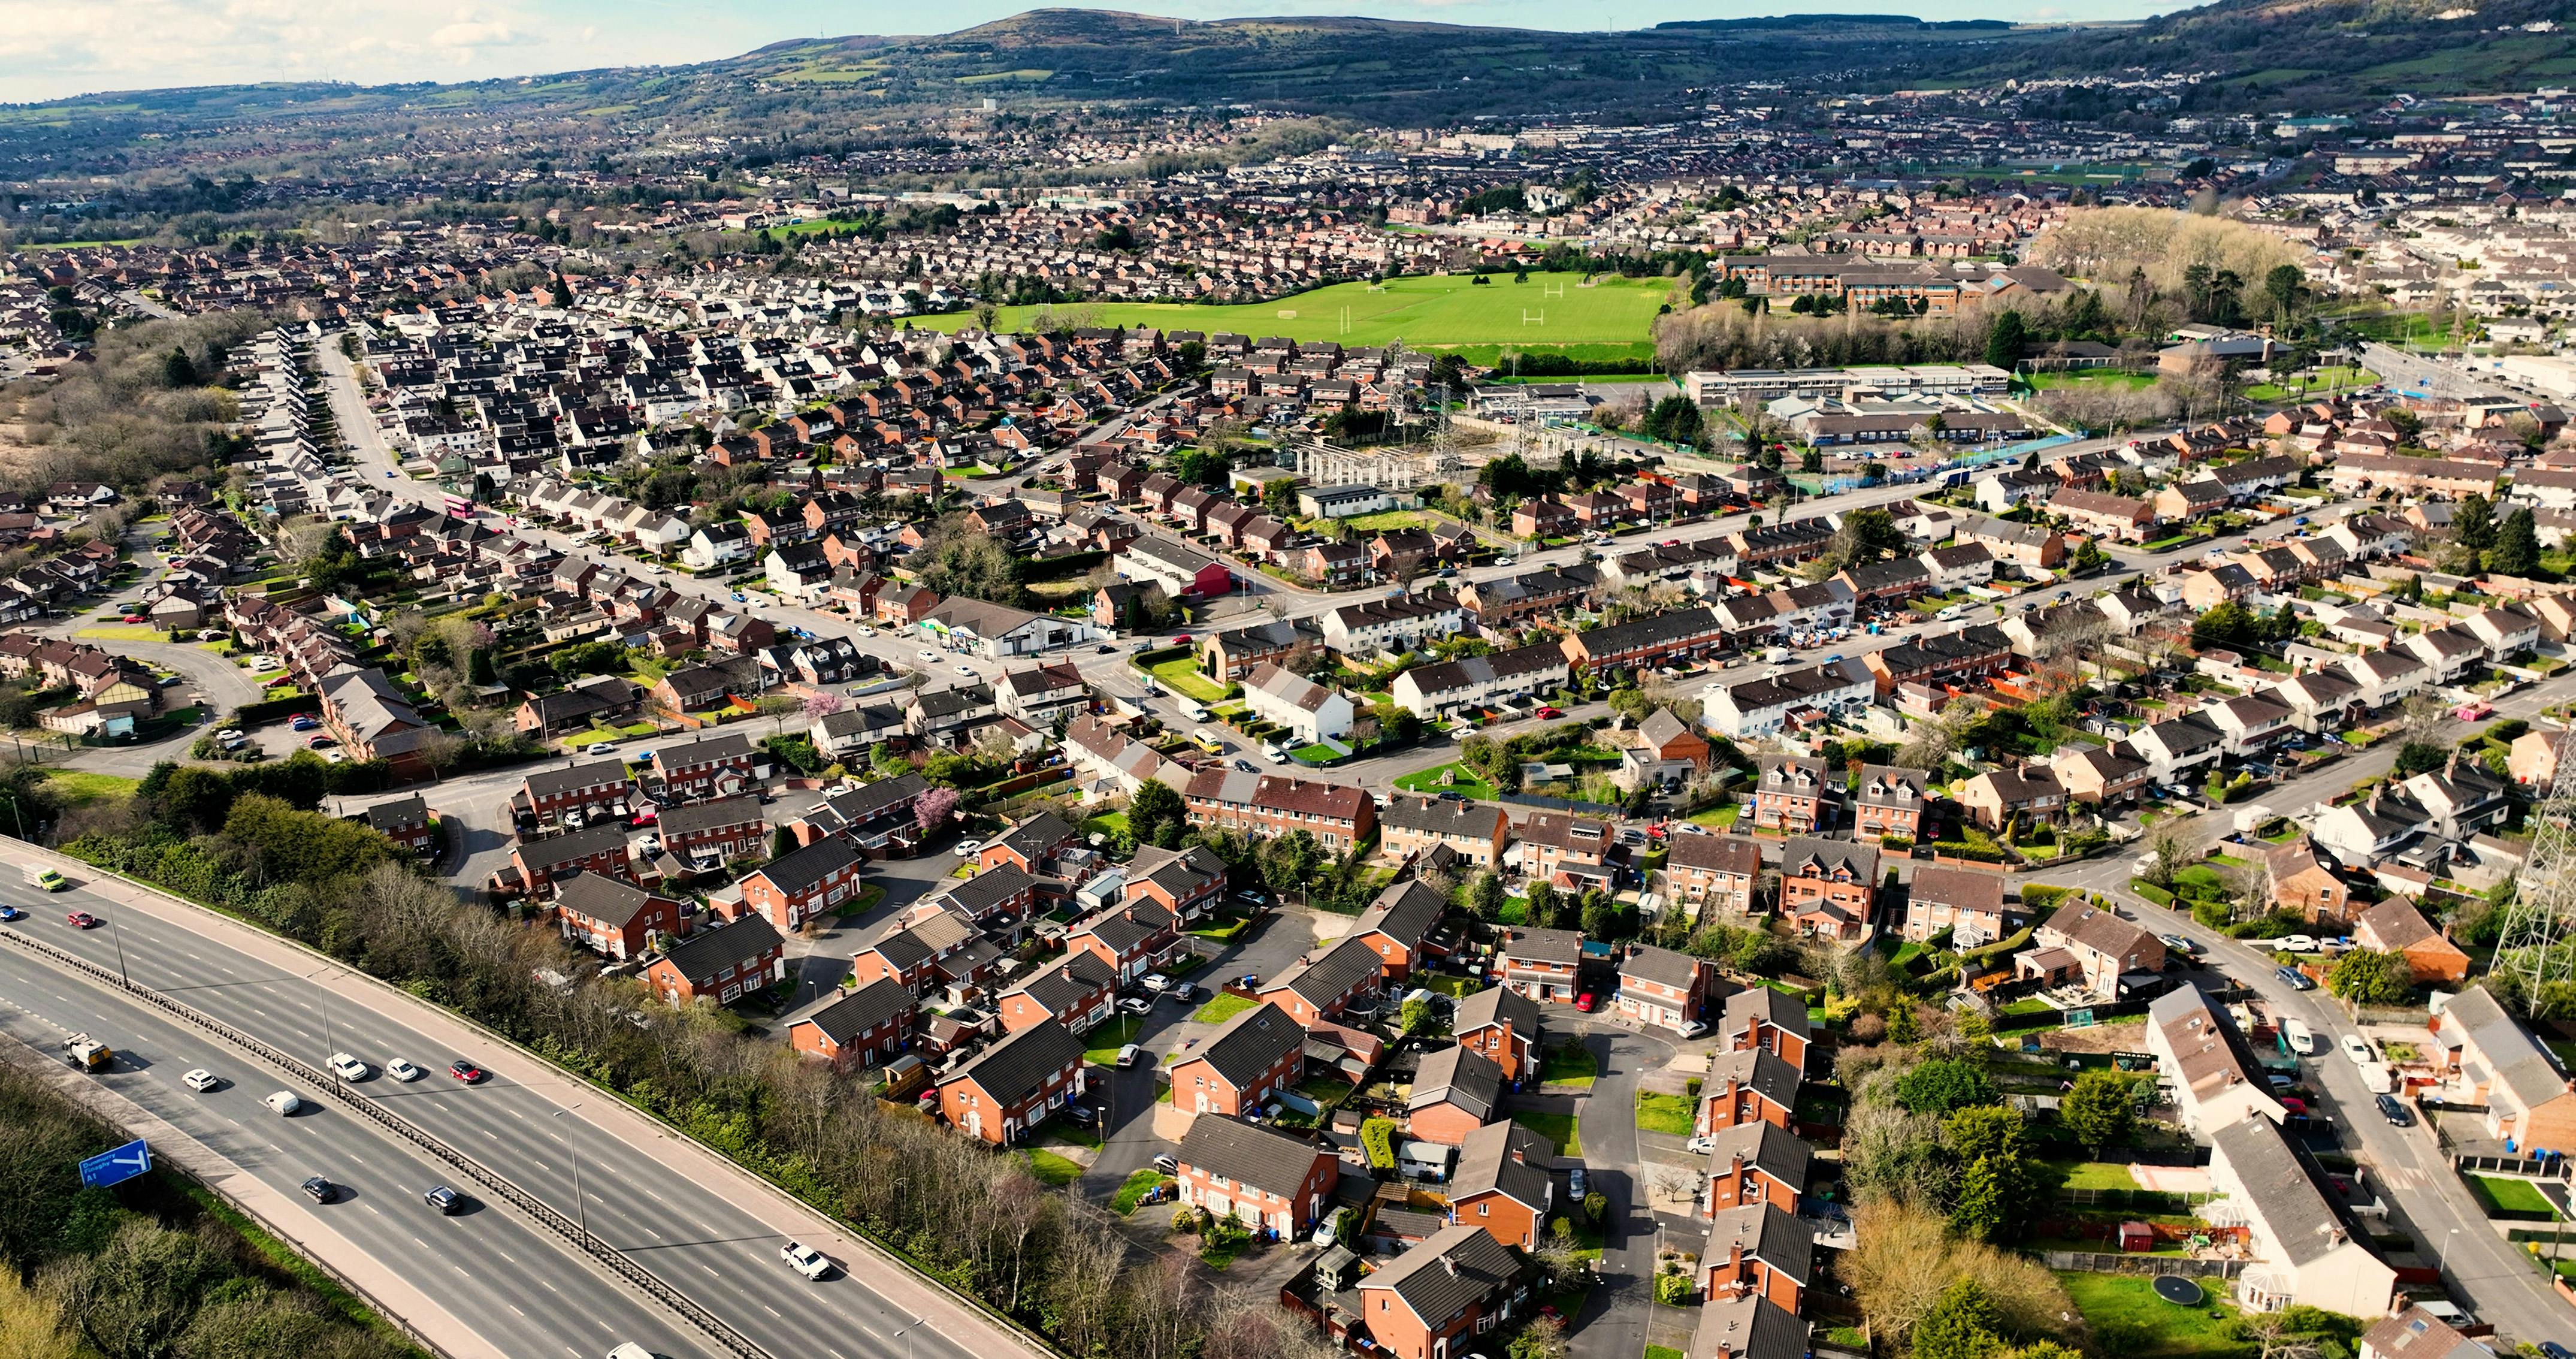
x=1434, y=312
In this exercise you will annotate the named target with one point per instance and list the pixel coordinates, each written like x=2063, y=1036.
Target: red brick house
x=1186, y=884
x=1661, y=987
x=1017, y=1084
x=1253, y=1056
x=1502, y=1024
x=804, y=883
x=1459, y=1284
x=405, y=821
x=1133, y=938
x=1750, y=1086
x=868, y=1027
x=597, y=788
x=726, y=829
x=1771, y=1021
x=1758, y=1251
x=1829, y=888
x=1455, y=1091
x=1263, y=806
x=1757, y=1163
x=600, y=849
x=1503, y=1183
x=1348, y=974
x=719, y=964
x=1795, y=795
x=610, y=917
x=1541, y=964
x=1398, y=925
x=1077, y=993
x=716, y=766
x=1268, y=1180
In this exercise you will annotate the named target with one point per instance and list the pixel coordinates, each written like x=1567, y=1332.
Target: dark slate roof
x=1461, y=1076
x=1059, y=988
x=1751, y=1327
x=1777, y=1008
x=731, y=745
x=1768, y=1146
x=985, y=891
x=861, y=1010
x=1335, y=975
x=1251, y=1043
x=700, y=816
x=1497, y=1004
x=1661, y=966
x=398, y=814
x=1031, y=839
x=1545, y=946
x=602, y=898
x=901, y=948
x=548, y=782
x=580, y=844
x=802, y=868
x=1405, y=912
x=1249, y=1155
x=1759, y=1068
x=1505, y=1158
x=711, y=951
x=1017, y=1067
x=1477, y=1266
x=1767, y=1234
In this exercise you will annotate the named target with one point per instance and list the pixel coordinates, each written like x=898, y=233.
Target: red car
x=1551, y=713
x=1585, y=1002
x=465, y=1071
x=82, y=920
x=131, y=618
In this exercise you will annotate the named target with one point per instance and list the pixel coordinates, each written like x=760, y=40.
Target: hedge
x=2151, y=892
x=1377, y=1138
x=2038, y=895
x=1058, y=568
x=1961, y=849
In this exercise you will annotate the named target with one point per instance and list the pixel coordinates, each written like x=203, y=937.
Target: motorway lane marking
x=503, y=1254
x=771, y=1310
x=549, y=1287
x=515, y=1308
x=711, y=1270
x=420, y=1243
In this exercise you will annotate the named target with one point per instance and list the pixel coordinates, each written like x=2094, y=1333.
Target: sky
x=50, y=49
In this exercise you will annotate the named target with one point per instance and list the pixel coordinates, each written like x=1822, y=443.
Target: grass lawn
x=2322, y=380
x=1557, y=1128
x=124, y=632
x=2096, y=381
x=582, y=740
x=1570, y=1066
x=2091, y=1174
x=1663, y=1113
x=1108, y=1038
x=1385, y=520
x=1319, y=753
x=1224, y=1007
x=2128, y=1303
x=1718, y=818
x=77, y=788
x=1133, y=1192
x=2497, y=1194
x=1051, y=1168
x=1113, y=823
x=1184, y=679
x=1664, y=1352
x=1444, y=311
x=1456, y=988
x=1463, y=781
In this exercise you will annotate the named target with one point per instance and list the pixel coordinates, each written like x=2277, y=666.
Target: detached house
x=1503, y=1185
x=1658, y=986
x=2094, y=946
x=1265, y=1178
x=719, y=964
x=1751, y=1086
x=1757, y=1251
x=1713, y=872
x=804, y=883
x=1455, y=1286
x=1502, y=1024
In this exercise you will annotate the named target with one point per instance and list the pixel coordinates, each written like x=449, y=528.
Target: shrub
x=1673, y=1289
x=1961, y=849
x=1377, y=1138
x=2040, y=895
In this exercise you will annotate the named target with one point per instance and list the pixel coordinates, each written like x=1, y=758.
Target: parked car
x=1167, y=1164
x=1129, y=1055
x=2397, y=1114
x=1585, y=1002
x=2357, y=1050
x=2297, y=980
x=1136, y=1006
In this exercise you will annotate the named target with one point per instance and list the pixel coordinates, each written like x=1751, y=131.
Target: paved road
x=492, y=1274
x=1613, y=1322
x=527, y=1122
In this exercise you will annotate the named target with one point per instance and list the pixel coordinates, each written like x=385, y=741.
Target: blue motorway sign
x=116, y=1165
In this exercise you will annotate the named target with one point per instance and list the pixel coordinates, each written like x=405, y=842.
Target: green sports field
x=1550, y=312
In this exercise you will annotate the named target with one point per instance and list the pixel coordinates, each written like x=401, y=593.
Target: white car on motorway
x=201, y=1080
x=805, y=1260
x=349, y=1068
x=402, y=1071
x=284, y=1102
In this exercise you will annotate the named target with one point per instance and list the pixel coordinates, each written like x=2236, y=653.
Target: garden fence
x=2144, y=1199
x=2105, y=1262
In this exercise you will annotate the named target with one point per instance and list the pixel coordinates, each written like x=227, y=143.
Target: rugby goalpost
x=1530, y=319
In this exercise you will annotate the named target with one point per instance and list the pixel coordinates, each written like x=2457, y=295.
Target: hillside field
x=1444, y=311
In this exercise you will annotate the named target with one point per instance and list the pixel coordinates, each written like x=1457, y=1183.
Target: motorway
x=546, y=1131
x=519, y=1289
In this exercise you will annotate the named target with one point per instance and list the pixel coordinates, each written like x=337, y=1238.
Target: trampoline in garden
x=2179, y=1291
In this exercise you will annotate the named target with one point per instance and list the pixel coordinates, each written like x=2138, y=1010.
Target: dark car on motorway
x=321, y=1190
x=447, y=1201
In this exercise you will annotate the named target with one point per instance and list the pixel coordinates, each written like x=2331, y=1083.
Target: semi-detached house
x=718, y=964
x=1412, y=824
x=1004, y=1094
x=1349, y=975
x=868, y=1027
x=1457, y=1285
x=1431, y=691
x=1078, y=993
x=1266, y=1179
x=1713, y=872
x=612, y=918
x=1250, y=1058
x=597, y=787
x=717, y=766
x=1263, y=806
x=805, y=883
x=1503, y=1184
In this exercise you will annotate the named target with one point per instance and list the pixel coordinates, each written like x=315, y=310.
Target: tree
x=2282, y=285
x=2517, y=546
x=822, y=703
x=2473, y=523
x=1418, y=1016
x=2368, y=976
x=2097, y=1111
x=177, y=370
x=1542, y=904
x=1983, y=1131
x=1937, y=1087
x=1961, y=1325
x=2170, y=856
x=1980, y=1212
x=1543, y=1338
x=930, y=811
x=1156, y=815
x=1902, y=1025
x=1487, y=896
x=2005, y=337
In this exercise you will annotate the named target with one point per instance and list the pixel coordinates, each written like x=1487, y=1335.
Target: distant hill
x=2322, y=55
